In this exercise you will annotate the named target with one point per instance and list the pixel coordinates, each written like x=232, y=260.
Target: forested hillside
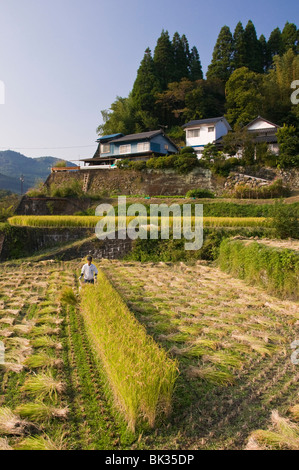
x=14, y=164
x=248, y=76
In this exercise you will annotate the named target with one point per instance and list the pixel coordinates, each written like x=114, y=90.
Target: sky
x=63, y=61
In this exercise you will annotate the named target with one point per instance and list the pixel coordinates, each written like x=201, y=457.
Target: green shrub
x=5, y=213
x=138, y=165
x=274, y=190
x=72, y=188
x=274, y=269
x=40, y=190
x=60, y=164
x=286, y=221
x=200, y=193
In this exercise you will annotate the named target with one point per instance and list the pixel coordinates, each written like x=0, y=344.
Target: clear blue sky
x=63, y=61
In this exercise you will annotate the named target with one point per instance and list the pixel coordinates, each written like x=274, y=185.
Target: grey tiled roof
x=205, y=121
x=142, y=135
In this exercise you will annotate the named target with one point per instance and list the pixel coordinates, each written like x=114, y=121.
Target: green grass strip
x=275, y=269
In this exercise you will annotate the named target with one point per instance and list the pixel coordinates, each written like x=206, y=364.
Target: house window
x=125, y=149
x=166, y=147
x=106, y=148
x=193, y=133
x=143, y=147
x=211, y=129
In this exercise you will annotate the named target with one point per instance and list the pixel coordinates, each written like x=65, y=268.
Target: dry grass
x=282, y=435
x=4, y=445
x=43, y=385
x=13, y=425
x=42, y=443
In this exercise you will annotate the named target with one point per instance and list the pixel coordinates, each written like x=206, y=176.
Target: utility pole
x=22, y=179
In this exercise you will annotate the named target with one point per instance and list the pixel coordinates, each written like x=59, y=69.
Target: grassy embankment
x=277, y=270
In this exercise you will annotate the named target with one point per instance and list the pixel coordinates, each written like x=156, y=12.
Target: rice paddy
x=58, y=221
x=71, y=371
x=232, y=342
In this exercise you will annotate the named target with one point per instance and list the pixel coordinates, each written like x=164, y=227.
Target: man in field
x=89, y=272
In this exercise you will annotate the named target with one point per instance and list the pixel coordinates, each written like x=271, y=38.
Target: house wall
x=261, y=124
x=161, y=141
x=221, y=129
x=205, y=136
x=157, y=144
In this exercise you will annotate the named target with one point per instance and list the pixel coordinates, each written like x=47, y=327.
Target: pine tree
x=221, y=65
x=254, y=59
x=275, y=44
x=265, y=53
x=181, y=58
x=290, y=37
x=164, y=60
x=239, y=54
x=195, y=65
x=146, y=84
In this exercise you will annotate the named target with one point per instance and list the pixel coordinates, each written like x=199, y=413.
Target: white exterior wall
x=205, y=137
x=260, y=124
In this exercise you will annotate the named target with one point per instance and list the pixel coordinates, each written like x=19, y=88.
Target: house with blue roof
x=141, y=146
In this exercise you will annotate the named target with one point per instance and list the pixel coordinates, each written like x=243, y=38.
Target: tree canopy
x=247, y=76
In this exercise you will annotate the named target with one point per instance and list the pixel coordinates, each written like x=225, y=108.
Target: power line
x=46, y=148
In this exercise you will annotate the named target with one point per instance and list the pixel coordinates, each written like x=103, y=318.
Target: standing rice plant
x=140, y=373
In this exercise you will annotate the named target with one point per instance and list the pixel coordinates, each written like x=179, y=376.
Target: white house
x=205, y=131
x=264, y=131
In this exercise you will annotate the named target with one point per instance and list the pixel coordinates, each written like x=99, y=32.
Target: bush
x=69, y=189
x=200, y=193
x=274, y=190
x=60, y=164
x=40, y=190
x=5, y=213
x=285, y=221
x=276, y=270
x=138, y=165
x=223, y=167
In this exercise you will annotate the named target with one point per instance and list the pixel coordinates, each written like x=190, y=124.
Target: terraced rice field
x=232, y=343
x=233, y=346
x=52, y=393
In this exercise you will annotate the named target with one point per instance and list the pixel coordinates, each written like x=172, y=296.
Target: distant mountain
x=13, y=165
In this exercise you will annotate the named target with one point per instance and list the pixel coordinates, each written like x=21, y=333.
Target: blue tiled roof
x=109, y=137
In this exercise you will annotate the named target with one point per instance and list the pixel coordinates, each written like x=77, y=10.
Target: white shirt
x=89, y=272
